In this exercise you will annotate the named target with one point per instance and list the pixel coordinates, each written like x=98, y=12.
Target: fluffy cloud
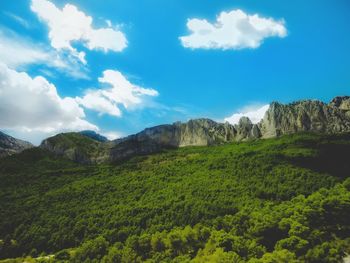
x=97, y=101
x=70, y=24
x=254, y=114
x=18, y=52
x=33, y=105
x=120, y=92
x=232, y=30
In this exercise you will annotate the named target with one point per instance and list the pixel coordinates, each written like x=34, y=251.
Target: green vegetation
x=276, y=200
x=78, y=146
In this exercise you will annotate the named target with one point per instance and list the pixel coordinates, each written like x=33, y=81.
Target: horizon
x=254, y=115
x=119, y=67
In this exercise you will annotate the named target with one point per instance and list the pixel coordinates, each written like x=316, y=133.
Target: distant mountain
x=280, y=119
x=94, y=135
x=10, y=145
x=77, y=147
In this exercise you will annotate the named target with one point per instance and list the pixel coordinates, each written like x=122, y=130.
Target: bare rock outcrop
x=199, y=132
x=308, y=115
x=10, y=145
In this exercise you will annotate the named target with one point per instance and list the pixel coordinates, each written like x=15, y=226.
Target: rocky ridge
x=10, y=145
x=280, y=119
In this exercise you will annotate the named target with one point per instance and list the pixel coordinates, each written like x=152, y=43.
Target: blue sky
x=301, y=51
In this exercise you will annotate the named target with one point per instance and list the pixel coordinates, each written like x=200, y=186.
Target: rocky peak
x=306, y=115
x=10, y=145
x=243, y=128
x=343, y=103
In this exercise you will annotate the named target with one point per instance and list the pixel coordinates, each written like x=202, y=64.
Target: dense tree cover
x=276, y=200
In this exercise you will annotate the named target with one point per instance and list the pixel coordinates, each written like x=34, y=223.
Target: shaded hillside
x=260, y=201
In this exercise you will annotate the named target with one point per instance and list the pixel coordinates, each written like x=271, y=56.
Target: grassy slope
x=241, y=190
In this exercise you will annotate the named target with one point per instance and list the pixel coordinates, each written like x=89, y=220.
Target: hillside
x=274, y=200
x=77, y=147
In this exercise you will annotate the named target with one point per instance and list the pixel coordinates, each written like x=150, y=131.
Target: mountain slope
x=77, y=147
x=261, y=200
x=10, y=145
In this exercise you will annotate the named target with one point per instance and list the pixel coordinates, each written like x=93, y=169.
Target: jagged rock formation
x=280, y=119
x=246, y=130
x=343, y=103
x=10, y=145
x=308, y=115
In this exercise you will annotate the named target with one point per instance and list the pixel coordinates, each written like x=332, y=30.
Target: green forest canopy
x=275, y=200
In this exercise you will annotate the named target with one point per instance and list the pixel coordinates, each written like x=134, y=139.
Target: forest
x=285, y=199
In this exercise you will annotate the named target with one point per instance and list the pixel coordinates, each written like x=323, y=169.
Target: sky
x=117, y=66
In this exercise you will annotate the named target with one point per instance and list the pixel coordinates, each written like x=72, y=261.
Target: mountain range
x=280, y=119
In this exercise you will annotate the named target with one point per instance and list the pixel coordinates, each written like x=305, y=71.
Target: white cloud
x=120, y=92
x=18, y=52
x=112, y=135
x=255, y=114
x=32, y=105
x=18, y=19
x=95, y=100
x=232, y=30
x=69, y=25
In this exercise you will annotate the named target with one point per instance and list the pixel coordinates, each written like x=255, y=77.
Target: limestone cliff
x=280, y=119
x=308, y=115
x=199, y=132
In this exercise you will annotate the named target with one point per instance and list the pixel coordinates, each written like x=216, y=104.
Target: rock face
x=308, y=115
x=280, y=119
x=199, y=132
x=246, y=130
x=10, y=145
x=343, y=103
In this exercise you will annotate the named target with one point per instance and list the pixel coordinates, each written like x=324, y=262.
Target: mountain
x=199, y=132
x=77, y=147
x=284, y=199
x=308, y=115
x=94, y=135
x=10, y=145
x=280, y=119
